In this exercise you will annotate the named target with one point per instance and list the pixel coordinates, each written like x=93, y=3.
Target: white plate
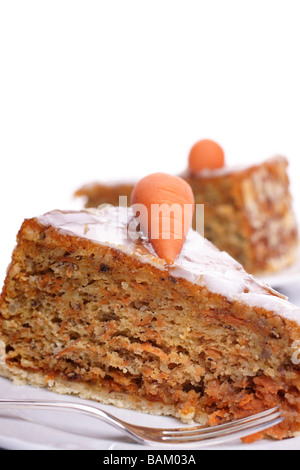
x=284, y=277
x=60, y=430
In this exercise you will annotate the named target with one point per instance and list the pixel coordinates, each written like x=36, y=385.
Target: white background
x=104, y=90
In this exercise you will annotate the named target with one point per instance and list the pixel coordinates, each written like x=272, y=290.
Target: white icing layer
x=199, y=262
x=230, y=169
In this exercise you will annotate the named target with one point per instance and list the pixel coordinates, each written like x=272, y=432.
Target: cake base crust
x=91, y=392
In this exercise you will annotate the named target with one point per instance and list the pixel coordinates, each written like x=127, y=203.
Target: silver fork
x=200, y=436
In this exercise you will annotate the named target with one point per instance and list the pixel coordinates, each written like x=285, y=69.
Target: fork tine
x=223, y=426
x=206, y=441
x=229, y=429
x=229, y=434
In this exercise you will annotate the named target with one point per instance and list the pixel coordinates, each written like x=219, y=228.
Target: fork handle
x=88, y=410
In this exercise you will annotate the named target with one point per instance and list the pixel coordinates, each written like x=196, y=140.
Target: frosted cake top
x=199, y=262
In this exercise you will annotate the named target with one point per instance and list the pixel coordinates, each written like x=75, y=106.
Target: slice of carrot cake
x=89, y=309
